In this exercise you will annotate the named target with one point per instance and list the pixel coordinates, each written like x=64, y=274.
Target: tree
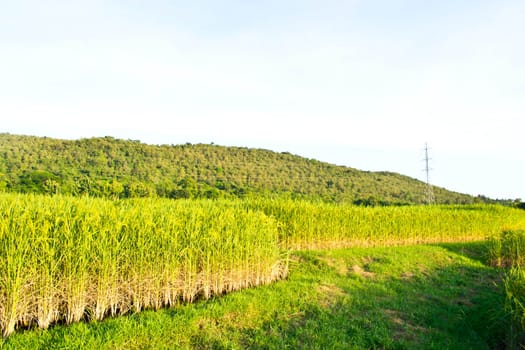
x=3, y=182
x=139, y=189
x=113, y=189
x=38, y=181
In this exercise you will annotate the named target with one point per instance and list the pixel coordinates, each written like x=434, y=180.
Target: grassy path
x=416, y=297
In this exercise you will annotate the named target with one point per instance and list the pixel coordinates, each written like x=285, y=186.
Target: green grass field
x=441, y=296
x=66, y=259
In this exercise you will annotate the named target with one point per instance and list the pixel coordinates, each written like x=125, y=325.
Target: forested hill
x=124, y=168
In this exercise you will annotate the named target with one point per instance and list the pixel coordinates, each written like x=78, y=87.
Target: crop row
x=507, y=250
x=307, y=225
x=63, y=259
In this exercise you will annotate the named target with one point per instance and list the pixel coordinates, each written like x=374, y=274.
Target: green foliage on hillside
x=108, y=167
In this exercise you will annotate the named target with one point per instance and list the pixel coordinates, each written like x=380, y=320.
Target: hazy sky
x=357, y=83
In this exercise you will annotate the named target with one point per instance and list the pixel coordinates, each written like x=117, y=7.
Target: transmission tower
x=429, y=191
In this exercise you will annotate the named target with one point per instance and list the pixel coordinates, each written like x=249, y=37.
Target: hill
x=109, y=167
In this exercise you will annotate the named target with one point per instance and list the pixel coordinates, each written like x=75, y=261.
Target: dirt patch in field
x=368, y=260
x=407, y=275
x=339, y=265
x=330, y=294
x=402, y=328
x=358, y=270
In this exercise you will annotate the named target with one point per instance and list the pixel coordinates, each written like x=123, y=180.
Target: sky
x=358, y=83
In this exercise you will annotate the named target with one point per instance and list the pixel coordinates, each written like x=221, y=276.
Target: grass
x=65, y=259
x=514, y=283
x=507, y=250
x=441, y=296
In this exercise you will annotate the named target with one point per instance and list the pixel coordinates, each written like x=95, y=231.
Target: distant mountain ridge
x=109, y=167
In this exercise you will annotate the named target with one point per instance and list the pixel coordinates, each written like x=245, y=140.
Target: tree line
x=109, y=167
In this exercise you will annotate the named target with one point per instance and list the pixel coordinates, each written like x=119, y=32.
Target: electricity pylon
x=429, y=191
